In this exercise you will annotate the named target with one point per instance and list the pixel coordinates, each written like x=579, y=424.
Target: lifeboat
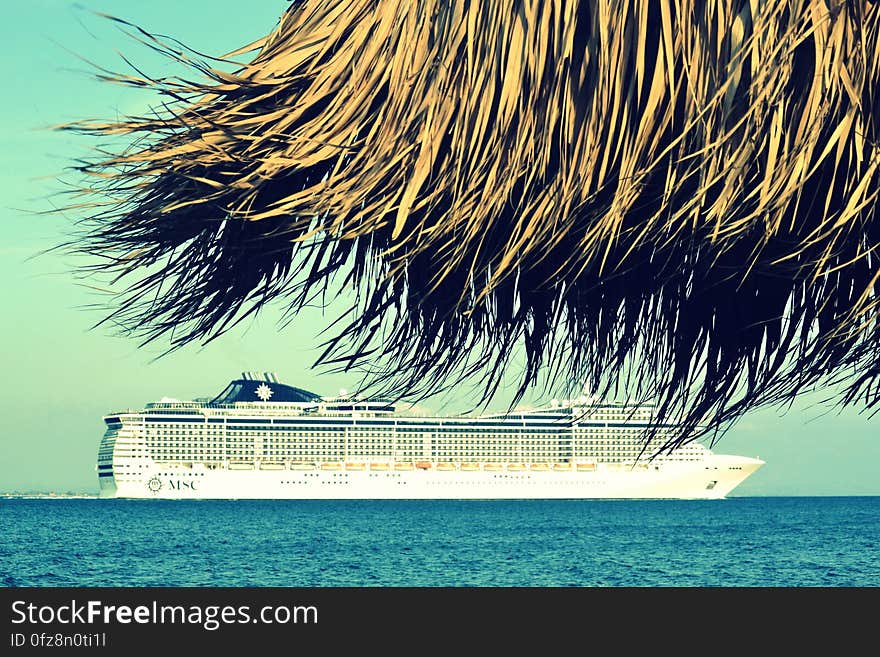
x=516, y=467
x=470, y=467
x=446, y=466
x=241, y=465
x=331, y=466
x=270, y=465
x=403, y=466
x=379, y=466
x=586, y=467
x=492, y=467
x=302, y=466
x=540, y=467
x=562, y=467
x=355, y=466
x=423, y=465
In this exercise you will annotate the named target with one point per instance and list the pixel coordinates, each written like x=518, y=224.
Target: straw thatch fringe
x=668, y=200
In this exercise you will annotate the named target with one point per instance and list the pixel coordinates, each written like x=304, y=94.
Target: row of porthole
x=591, y=482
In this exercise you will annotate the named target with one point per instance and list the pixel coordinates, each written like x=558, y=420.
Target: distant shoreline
x=50, y=496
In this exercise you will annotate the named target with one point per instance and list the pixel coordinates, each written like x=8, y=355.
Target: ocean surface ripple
x=737, y=542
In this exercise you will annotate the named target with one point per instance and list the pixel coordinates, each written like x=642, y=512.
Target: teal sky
x=59, y=376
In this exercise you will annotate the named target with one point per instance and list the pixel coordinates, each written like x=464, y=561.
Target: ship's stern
x=120, y=454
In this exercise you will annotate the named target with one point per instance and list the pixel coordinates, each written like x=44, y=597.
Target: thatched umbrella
x=674, y=201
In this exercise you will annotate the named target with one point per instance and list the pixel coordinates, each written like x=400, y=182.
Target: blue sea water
x=737, y=542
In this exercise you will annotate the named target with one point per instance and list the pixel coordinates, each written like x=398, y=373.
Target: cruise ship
x=262, y=439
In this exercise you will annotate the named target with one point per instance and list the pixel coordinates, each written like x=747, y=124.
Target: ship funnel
x=271, y=377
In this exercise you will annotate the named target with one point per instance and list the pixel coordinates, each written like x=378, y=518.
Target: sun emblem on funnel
x=264, y=392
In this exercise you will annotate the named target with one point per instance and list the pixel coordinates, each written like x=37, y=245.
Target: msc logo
x=155, y=484
x=181, y=484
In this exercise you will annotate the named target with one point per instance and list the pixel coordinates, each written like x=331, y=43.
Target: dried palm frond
x=667, y=200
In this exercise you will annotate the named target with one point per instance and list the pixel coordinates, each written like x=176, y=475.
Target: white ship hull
x=711, y=479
